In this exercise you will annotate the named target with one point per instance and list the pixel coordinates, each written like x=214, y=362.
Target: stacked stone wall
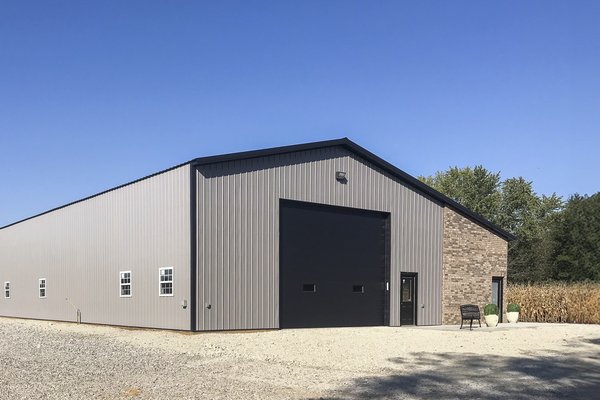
x=472, y=255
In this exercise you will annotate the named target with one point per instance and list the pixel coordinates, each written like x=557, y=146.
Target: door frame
x=387, y=285
x=500, y=295
x=415, y=277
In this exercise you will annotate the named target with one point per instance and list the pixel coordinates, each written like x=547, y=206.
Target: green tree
x=529, y=217
x=475, y=188
x=576, y=235
x=514, y=206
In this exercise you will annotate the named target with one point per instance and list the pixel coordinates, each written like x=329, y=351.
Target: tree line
x=557, y=240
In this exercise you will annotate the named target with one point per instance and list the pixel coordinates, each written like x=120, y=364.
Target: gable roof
x=346, y=143
x=405, y=178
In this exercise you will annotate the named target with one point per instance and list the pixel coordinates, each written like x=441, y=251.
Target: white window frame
x=160, y=293
x=7, y=290
x=123, y=284
x=40, y=288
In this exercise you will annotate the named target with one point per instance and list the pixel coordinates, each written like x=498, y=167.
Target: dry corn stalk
x=557, y=302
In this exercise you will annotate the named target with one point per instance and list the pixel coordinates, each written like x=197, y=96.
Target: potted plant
x=512, y=312
x=490, y=314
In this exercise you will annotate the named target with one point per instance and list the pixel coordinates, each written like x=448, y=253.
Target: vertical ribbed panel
x=81, y=248
x=238, y=231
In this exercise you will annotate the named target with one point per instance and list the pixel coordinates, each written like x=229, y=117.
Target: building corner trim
x=193, y=249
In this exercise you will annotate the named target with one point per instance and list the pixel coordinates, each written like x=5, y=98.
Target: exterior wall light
x=340, y=176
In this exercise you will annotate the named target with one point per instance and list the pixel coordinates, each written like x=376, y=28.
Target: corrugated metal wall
x=81, y=248
x=238, y=232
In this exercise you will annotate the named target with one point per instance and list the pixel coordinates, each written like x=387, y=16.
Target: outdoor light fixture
x=340, y=176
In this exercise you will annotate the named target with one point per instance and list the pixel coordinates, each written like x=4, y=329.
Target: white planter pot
x=491, y=320
x=512, y=317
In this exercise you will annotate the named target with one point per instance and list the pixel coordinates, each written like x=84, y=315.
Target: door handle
x=387, y=286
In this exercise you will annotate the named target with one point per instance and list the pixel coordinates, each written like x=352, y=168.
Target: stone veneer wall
x=472, y=255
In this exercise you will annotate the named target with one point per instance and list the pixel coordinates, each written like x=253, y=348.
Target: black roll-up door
x=332, y=266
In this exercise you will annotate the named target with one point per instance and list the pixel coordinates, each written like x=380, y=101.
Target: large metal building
x=311, y=235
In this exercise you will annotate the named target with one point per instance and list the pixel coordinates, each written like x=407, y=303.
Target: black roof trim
x=344, y=142
x=270, y=151
x=420, y=186
x=373, y=159
x=96, y=195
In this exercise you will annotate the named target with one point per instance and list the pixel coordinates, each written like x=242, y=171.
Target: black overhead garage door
x=332, y=266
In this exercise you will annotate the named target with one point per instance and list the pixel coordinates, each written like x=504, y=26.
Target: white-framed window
x=125, y=283
x=7, y=290
x=165, y=281
x=43, y=287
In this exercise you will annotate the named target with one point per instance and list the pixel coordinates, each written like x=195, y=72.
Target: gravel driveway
x=52, y=360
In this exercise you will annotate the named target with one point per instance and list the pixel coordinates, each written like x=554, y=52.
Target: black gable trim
x=373, y=159
x=344, y=142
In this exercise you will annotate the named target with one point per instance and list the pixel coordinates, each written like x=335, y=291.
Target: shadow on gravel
x=455, y=375
x=594, y=341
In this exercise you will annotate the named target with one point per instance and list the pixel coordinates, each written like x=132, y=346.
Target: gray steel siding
x=81, y=248
x=238, y=231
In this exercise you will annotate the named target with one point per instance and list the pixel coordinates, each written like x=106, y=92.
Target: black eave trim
x=346, y=143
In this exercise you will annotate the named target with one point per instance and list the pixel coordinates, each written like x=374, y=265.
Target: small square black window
x=309, y=287
x=358, y=288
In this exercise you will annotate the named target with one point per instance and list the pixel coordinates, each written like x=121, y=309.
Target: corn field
x=557, y=302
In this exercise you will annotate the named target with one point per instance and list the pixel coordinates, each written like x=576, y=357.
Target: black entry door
x=497, y=294
x=408, y=299
x=332, y=266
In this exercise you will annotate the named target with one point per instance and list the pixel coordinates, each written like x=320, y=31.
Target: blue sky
x=93, y=95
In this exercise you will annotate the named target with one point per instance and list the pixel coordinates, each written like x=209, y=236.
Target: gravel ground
x=53, y=360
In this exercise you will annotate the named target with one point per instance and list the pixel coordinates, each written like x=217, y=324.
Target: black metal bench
x=469, y=312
